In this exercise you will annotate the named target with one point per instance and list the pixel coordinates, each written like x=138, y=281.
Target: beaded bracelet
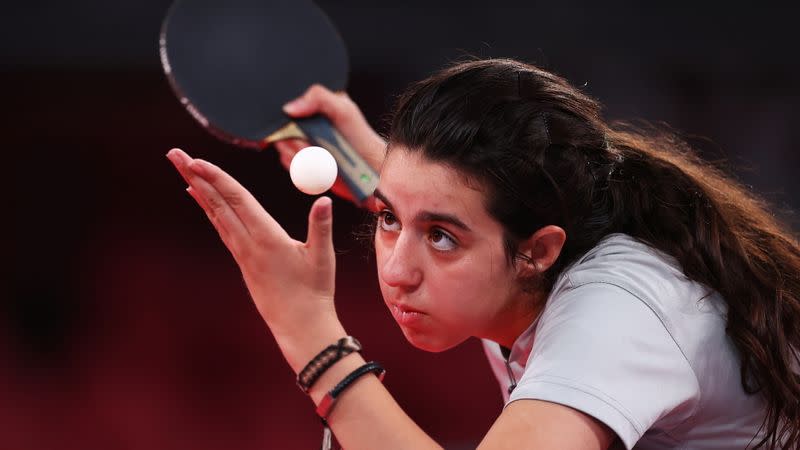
x=324, y=360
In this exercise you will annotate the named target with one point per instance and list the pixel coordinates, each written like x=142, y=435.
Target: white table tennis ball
x=313, y=170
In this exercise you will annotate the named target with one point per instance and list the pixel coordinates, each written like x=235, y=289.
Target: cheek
x=475, y=287
x=460, y=287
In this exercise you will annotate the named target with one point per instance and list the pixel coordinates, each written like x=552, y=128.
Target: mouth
x=405, y=315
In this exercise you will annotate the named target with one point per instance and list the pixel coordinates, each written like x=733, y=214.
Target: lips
x=406, y=316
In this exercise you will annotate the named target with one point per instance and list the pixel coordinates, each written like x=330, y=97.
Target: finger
x=345, y=116
x=286, y=161
x=227, y=223
x=288, y=148
x=181, y=161
x=337, y=106
x=228, y=193
x=320, y=232
x=223, y=232
x=291, y=146
x=197, y=197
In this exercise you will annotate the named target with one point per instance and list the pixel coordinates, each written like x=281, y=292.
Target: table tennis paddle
x=234, y=63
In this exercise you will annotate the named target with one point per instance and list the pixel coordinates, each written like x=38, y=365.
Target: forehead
x=411, y=181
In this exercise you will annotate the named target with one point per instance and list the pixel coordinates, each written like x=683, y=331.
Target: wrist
x=334, y=375
x=324, y=360
x=302, y=344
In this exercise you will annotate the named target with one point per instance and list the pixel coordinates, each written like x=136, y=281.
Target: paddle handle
x=356, y=173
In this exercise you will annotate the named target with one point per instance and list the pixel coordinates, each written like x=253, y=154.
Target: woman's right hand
x=348, y=120
x=292, y=283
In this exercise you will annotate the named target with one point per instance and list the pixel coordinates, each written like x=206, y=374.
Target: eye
x=442, y=241
x=387, y=221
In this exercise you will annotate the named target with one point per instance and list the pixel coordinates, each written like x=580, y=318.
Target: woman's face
x=442, y=266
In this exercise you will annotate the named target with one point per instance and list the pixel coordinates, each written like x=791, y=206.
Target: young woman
x=628, y=294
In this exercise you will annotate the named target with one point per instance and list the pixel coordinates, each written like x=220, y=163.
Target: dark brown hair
x=541, y=149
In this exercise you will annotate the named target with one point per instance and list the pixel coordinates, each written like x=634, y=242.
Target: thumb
x=320, y=231
x=319, y=99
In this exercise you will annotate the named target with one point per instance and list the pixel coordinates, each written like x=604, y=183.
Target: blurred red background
x=131, y=326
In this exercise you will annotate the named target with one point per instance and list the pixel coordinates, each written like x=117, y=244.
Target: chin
x=428, y=343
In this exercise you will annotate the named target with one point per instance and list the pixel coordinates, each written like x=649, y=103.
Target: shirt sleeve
x=603, y=351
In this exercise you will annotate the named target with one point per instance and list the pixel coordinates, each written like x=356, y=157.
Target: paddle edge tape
x=184, y=100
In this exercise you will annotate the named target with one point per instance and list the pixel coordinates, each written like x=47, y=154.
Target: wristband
x=324, y=360
x=325, y=406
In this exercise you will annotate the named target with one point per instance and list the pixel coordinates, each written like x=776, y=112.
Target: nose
x=400, y=263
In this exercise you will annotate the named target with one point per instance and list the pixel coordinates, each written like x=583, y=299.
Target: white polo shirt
x=626, y=338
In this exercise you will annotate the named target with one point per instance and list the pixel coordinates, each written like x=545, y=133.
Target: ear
x=541, y=250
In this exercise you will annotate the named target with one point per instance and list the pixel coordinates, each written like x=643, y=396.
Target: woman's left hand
x=291, y=282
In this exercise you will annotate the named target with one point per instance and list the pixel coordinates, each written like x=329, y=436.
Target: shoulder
x=605, y=342
x=693, y=315
x=626, y=262
x=627, y=338
x=687, y=310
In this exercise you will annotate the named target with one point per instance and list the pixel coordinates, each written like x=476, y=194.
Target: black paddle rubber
x=234, y=63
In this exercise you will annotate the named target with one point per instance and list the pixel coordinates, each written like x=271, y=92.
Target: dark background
x=126, y=324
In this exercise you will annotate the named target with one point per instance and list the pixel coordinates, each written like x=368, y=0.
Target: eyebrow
x=427, y=216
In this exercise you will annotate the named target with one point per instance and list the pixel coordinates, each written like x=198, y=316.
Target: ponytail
x=725, y=238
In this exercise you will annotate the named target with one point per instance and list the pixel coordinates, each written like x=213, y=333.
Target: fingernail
x=191, y=193
x=324, y=208
x=295, y=106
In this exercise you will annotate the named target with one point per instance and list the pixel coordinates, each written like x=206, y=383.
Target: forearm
x=292, y=286
x=365, y=416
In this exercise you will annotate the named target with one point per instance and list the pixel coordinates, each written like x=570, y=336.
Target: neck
x=515, y=320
